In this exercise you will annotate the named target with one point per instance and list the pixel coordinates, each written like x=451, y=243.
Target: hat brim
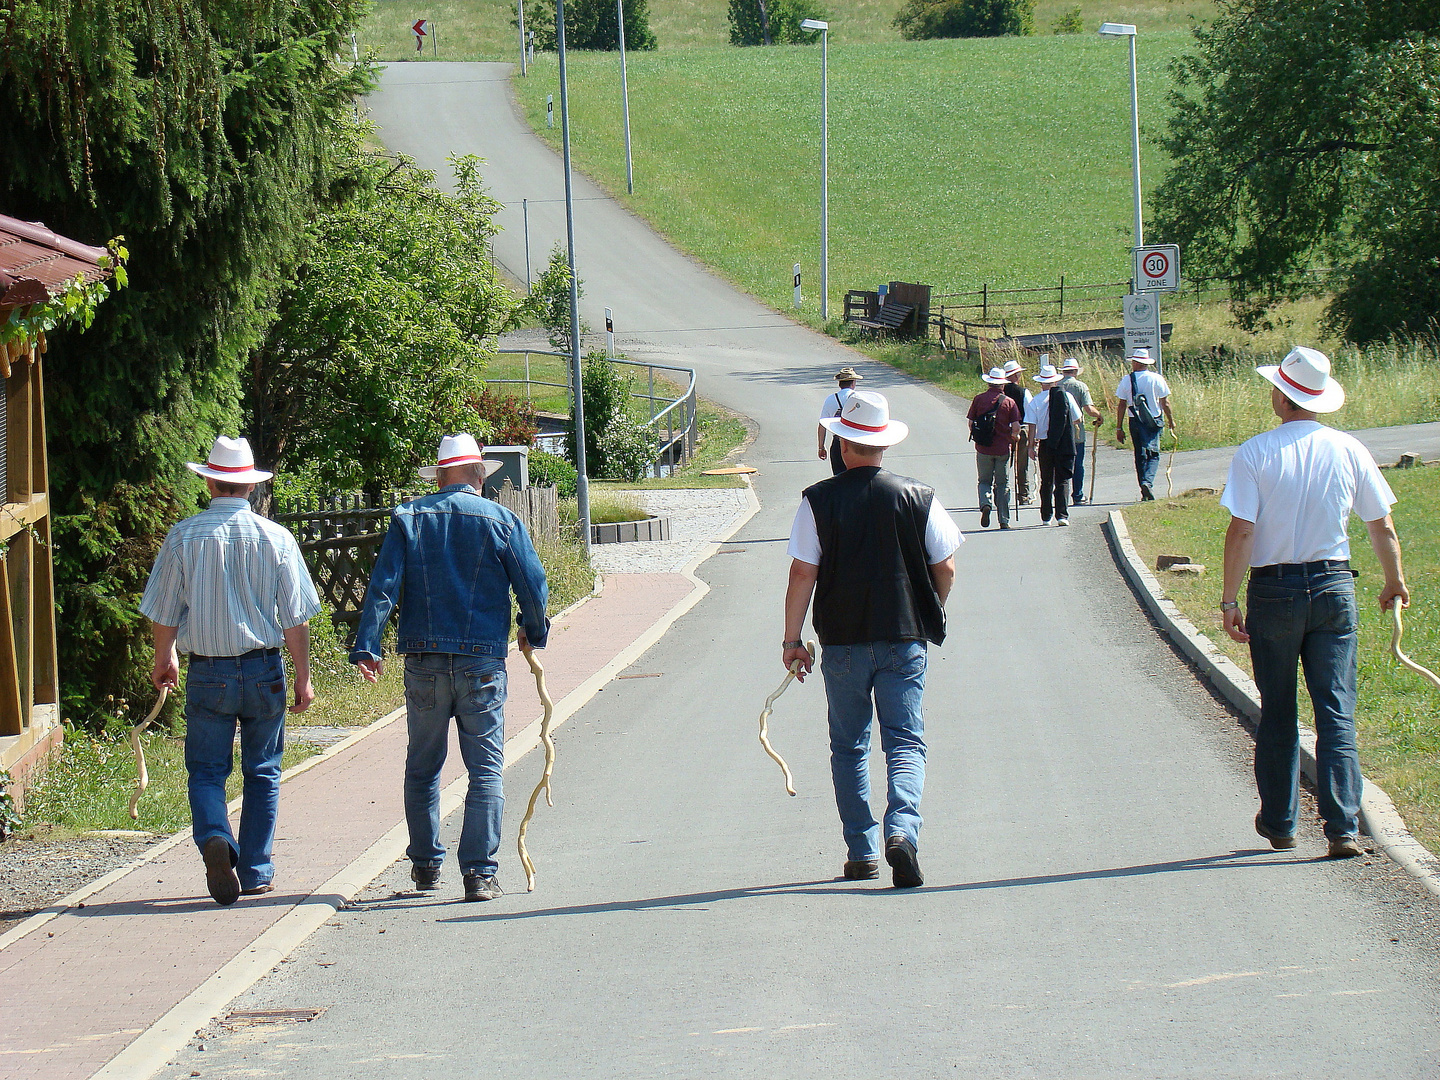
x=1001, y=381
x=250, y=476
x=1328, y=400
x=889, y=435
x=1047, y=382
x=853, y=376
x=429, y=472
x=1148, y=361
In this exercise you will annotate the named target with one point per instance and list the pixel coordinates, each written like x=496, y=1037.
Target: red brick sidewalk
x=76, y=991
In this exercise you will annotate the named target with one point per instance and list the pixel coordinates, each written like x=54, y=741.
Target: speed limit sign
x=1157, y=268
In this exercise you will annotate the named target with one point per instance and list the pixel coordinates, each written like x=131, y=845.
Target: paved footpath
x=78, y=989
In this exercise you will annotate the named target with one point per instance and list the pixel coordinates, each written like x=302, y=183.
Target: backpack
x=1144, y=413
x=982, y=428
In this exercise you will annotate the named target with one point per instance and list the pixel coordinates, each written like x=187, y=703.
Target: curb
x=1377, y=812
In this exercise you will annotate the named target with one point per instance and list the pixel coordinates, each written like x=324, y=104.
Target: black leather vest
x=874, y=582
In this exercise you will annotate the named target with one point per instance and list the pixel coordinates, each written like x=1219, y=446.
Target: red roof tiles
x=35, y=263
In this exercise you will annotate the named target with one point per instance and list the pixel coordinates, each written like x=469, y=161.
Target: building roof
x=36, y=263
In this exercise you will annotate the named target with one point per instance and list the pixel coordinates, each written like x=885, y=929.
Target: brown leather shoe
x=1277, y=841
x=904, y=866
x=258, y=890
x=220, y=874
x=861, y=870
x=1345, y=847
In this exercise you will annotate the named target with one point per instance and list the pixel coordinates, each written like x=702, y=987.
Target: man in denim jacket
x=451, y=561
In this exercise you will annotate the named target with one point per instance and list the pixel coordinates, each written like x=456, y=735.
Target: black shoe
x=482, y=888
x=1277, y=841
x=220, y=873
x=1004, y=525
x=984, y=517
x=861, y=870
x=1078, y=500
x=426, y=878
x=1146, y=495
x=904, y=866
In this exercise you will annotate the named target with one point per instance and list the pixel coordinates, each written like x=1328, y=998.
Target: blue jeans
x=1077, y=482
x=1146, y=441
x=219, y=693
x=1308, y=619
x=472, y=690
x=994, y=473
x=893, y=674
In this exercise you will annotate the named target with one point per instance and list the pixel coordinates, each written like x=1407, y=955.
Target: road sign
x=797, y=284
x=419, y=31
x=549, y=110
x=1142, y=323
x=610, y=332
x=1157, y=268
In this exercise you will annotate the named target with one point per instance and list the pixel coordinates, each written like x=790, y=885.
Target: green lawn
x=1398, y=713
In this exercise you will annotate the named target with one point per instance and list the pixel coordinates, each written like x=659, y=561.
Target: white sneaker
x=1062, y=521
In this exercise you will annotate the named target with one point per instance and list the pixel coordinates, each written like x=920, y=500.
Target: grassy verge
x=1398, y=714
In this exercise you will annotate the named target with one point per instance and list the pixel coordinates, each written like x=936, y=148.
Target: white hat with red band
x=1304, y=377
x=461, y=449
x=231, y=462
x=866, y=420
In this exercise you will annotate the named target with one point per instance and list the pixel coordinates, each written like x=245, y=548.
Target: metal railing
x=675, y=425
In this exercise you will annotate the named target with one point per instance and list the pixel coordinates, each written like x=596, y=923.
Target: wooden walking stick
x=538, y=670
x=1094, y=455
x=765, y=716
x=1169, y=484
x=142, y=775
x=1395, y=635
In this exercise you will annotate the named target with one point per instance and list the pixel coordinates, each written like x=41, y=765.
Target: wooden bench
x=892, y=317
x=905, y=312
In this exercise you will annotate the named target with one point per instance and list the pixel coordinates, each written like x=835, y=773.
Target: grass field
x=482, y=30
x=1398, y=714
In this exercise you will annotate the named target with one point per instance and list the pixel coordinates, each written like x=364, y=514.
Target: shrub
x=511, y=419
x=547, y=469
x=773, y=22
x=591, y=24
x=616, y=445
x=627, y=449
x=921, y=20
x=1069, y=22
x=550, y=299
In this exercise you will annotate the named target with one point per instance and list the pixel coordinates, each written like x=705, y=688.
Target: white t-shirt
x=1299, y=483
x=1037, y=412
x=1151, y=386
x=942, y=535
x=833, y=403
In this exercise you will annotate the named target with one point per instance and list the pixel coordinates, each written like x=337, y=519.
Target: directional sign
x=1142, y=324
x=1157, y=268
x=419, y=30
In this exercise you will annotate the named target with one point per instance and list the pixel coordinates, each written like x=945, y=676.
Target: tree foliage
x=550, y=296
x=591, y=24
x=1307, y=132
x=617, y=446
x=773, y=22
x=920, y=20
x=383, y=332
x=201, y=131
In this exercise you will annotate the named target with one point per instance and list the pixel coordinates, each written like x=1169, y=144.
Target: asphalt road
x=1097, y=903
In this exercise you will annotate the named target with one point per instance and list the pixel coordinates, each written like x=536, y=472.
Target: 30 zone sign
x=1157, y=269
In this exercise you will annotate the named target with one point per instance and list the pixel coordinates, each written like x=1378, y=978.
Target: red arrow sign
x=419, y=28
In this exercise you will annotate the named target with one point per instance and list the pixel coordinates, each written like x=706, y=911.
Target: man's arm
x=1387, y=550
x=1165, y=408
x=1239, y=543
x=1034, y=443
x=820, y=435
x=167, y=665
x=943, y=575
x=381, y=596
x=803, y=576
x=532, y=590
x=1120, y=404
x=297, y=644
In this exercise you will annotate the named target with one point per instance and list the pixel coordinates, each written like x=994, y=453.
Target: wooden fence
x=340, y=537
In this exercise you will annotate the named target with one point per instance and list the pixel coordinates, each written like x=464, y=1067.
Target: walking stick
x=1094, y=454
x=765, y=716
x=1169, y=484
x=544, y=785
x=142, y=775
x=1015, y=455
x=1395, y=635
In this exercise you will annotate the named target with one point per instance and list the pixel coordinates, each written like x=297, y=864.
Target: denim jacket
x=451, y=560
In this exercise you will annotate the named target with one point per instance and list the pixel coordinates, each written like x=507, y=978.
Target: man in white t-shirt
x=876, y=551
x=1290, y=494
x=846, y=379
x=1052, y=418
x=1146, y=397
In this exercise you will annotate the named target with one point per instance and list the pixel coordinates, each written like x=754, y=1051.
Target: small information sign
x=1142, y=324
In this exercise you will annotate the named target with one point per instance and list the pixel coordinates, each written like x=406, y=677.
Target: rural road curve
x=1097, y=903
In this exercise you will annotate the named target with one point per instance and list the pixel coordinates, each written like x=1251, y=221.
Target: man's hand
x=521, y=641
x=1394, y=591
x=1120, y=435
x=803, y=655
x=1034, y=451
x=371, y=669
x=822, y=453
x=1234, y=620
x=304, y=695
x=166, y=671
x=1097, y=422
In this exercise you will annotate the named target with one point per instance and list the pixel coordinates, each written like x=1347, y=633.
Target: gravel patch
x=36, y=873
x=698, y=517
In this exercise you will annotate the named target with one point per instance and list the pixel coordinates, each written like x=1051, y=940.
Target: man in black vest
x=876, y=550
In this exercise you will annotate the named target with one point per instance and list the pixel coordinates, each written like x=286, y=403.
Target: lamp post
x=577, y=396
x=824, y=28
x=520, y=22
x=625, y=97
x=1125, y=30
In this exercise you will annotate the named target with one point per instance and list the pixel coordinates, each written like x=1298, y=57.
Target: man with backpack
x=1051, y=419
x=1146, y=397
x=1072, y=385
x=994, y=423
x=845, y=379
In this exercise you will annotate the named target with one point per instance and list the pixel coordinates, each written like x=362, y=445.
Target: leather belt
x=251, y=655
x=1319, y=566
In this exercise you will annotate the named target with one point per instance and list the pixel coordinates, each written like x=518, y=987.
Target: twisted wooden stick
x=765, y=716
x=544, y=784
x=1094, y=454
x=142, y=775
x=1395, y=635
x=1169, y=485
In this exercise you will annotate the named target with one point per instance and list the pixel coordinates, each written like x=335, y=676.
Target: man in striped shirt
x=228, y=587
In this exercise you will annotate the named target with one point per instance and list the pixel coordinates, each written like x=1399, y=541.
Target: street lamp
x=824, y=28
x=1125, y=30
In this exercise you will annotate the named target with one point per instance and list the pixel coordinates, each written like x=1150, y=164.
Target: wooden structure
x=904, y=310
x=35, y=266
x=1111, y=337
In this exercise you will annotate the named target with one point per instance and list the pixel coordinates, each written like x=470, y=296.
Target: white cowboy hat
x=1012, y=366
x=1070, y=364
x=866, y=420
x=1304, y=377
x=461, y=449
x=995, y=376
x=1140, y=356
x=231, y=462
x=1048, y=374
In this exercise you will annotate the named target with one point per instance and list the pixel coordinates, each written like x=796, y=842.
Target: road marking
x=1215, y=978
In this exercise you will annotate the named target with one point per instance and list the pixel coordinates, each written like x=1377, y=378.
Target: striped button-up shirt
x=231, y=581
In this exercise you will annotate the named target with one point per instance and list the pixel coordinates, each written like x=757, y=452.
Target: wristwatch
x=792, y=644
x=1229, y=605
